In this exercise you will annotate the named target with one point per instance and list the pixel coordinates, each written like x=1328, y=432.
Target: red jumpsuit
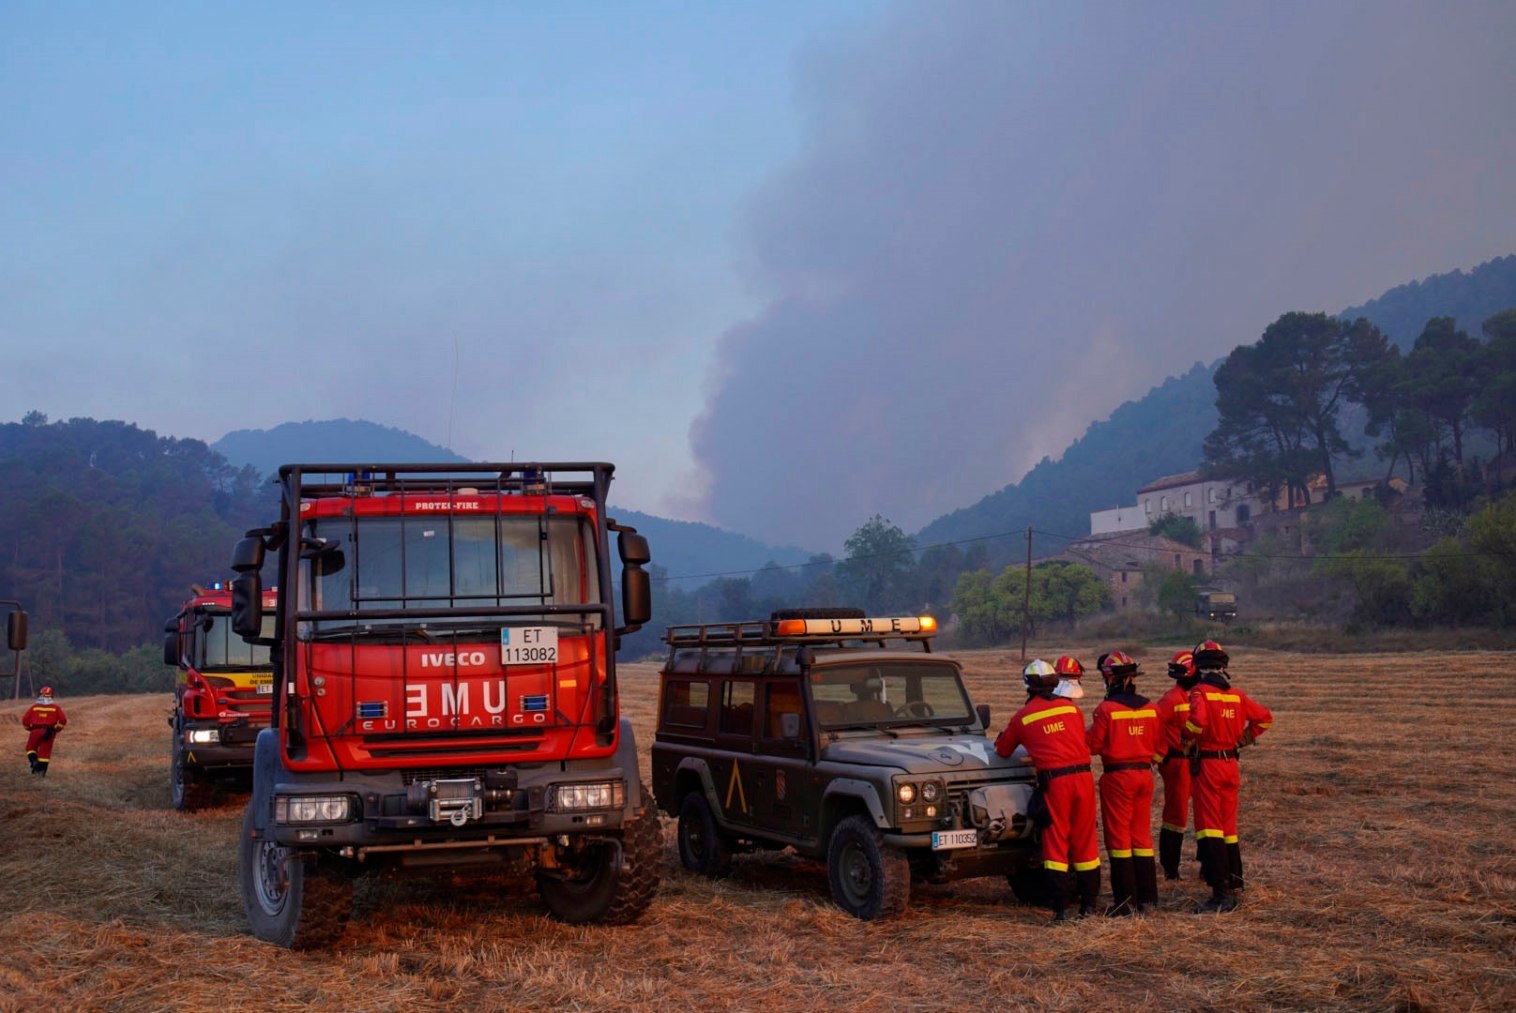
x=1052, y=730
x=1219, y=717
x=1173, y=710
x=43, y=722
x=1125, y=733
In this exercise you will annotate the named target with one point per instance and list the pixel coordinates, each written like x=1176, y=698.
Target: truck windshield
x=453, y=562
x=891, y=692
x=218, y=647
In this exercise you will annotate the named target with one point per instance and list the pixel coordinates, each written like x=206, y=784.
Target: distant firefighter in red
x=43, y=721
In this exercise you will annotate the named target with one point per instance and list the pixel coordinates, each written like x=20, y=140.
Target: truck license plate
x=265, y=689
x=942, y=840
x=529, y=645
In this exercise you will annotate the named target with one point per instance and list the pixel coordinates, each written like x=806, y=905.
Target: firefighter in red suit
x=1051, y=729
x=1222, y=720
x=1173, y=709
x=42, y=720
x=1125, y=733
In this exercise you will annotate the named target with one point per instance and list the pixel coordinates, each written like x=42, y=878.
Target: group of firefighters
x=1192, y=735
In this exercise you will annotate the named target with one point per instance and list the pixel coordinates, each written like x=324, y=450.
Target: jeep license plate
x=942, y=840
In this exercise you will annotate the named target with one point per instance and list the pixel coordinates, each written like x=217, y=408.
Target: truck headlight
x=202, y=736
x=293, y=809
x=596, y=795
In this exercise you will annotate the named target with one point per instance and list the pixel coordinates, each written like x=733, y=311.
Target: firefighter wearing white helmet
x=1051, y=729
x=43, y=721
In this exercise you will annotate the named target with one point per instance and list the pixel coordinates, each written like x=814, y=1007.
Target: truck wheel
x=869, y=880
x=597, y=891
x=1029, y=885
x=702, y=846
x=289, y=903
x=188, y=788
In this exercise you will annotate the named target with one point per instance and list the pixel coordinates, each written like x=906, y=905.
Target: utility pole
x=1026, y=602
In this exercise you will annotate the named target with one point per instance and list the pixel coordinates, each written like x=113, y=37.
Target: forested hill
x=104, y=526
x=1161, y=434
x=1471, y=297
x=1157, y=435
x=327, y=441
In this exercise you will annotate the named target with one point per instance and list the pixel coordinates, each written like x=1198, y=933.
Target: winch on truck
x=444, y=689
x=222, y=695
x=845, y=738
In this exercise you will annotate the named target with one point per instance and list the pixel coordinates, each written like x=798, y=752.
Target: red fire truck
x=221, y=697
x=444, y=690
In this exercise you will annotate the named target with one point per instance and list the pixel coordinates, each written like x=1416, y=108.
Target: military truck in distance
x=444, y=691
x=1217, y=606
x=845, y=738
x=222, y=694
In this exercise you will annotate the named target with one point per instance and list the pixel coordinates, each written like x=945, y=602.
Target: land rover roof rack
x=834, y=630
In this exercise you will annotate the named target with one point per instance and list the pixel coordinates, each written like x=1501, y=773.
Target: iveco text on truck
x=444, y=690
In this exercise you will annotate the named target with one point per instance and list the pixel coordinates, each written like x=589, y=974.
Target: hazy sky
x=787, y=264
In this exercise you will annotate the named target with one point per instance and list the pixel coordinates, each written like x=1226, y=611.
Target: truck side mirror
x=171, y=649
x=636, y=585
x=247, y=605
x=16, y=630
x=247, y=556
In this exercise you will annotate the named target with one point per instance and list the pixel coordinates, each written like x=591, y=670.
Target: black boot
x=31, y=759
x=1234, y=866
x=1123, y=887
x=1089, y=891
x=1058, y=889
x=1218, y=873
x=1147, y=883
x=41, y=768
x=1170, y=842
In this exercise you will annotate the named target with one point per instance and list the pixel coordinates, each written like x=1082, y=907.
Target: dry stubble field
x=1377, y=826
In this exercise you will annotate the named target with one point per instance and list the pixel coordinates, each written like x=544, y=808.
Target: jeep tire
x=703, y=848
x=600, y=891
x=869, y=880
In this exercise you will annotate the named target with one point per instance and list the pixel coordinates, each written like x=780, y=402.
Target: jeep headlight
x=931, y=791
x=595, y=795
x=293, y=809
x=906, y=792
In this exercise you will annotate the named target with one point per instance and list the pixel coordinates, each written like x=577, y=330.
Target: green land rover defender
x=845, y=738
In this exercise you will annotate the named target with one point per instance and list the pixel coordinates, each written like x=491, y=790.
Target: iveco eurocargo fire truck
x=444, y=687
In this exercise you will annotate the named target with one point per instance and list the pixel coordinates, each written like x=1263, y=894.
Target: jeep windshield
x=505, y=567
x=888, y=693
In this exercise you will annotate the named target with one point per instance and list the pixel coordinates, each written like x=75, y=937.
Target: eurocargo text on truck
x=222, y=693
x=444, y=690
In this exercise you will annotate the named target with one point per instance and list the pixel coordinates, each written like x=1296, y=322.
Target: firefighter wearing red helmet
x=1221, y=721
x=1173, y=708
x=1125, y=732
x=1051, y=730
x=43, y=721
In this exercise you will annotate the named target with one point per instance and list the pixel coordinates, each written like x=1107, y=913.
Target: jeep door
x=732, y=762
x=784, y=793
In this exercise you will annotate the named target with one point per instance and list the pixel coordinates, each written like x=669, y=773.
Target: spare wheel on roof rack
x=817, y=613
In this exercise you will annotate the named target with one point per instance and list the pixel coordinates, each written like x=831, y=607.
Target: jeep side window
x=737, y=697
x=780, y=698
x=686, y=704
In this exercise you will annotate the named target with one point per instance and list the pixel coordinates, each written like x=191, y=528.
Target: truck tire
x=188, y=788
x=703, y=848
x=288, y=902
x=598, y=892
x=869, y=880
x=818, y=613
